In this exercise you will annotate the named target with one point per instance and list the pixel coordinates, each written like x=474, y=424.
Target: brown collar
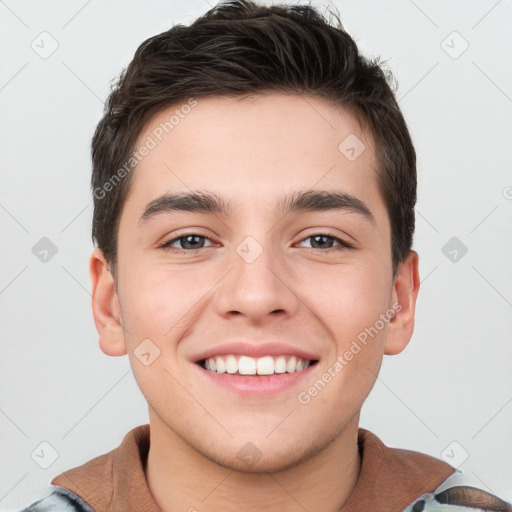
x=390, y=478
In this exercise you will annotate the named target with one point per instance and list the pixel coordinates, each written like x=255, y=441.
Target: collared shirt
x=390, y=480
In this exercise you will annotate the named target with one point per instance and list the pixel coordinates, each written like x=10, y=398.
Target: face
x=258, y=282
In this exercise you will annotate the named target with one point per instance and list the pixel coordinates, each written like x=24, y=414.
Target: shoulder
x=410, y=481
x=458, y=493
x=59, y=500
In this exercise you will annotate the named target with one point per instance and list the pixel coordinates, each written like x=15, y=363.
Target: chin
x=249, y=459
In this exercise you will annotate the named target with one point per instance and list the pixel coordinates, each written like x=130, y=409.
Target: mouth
x=233, y=364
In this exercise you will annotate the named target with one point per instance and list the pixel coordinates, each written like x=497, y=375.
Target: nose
x=258, y=284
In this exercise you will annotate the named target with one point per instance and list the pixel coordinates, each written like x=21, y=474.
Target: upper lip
x=259, y=349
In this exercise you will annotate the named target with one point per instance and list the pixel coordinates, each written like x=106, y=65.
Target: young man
x=254, y=185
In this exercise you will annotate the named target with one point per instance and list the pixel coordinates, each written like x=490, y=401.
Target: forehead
x=253, y=149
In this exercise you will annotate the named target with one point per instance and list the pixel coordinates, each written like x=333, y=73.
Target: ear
x=105, y=306
x=406, y=285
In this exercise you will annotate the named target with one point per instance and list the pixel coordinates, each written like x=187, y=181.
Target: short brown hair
x=241, y=48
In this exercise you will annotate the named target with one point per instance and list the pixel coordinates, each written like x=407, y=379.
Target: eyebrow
x=298, y=201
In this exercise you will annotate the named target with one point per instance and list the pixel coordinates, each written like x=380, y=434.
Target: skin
x=252, y=151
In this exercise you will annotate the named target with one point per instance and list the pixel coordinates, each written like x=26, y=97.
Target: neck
x=181, y=478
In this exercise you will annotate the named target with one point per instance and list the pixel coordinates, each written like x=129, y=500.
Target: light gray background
x=453, y=382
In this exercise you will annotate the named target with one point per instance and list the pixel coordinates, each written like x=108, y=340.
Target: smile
x=246, y=365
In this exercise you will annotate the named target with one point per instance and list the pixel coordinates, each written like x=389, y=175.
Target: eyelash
x=343, y=245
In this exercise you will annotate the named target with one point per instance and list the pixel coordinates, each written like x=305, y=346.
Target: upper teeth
x=246, y=365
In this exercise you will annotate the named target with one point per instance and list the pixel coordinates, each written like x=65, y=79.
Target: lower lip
x=256, y=385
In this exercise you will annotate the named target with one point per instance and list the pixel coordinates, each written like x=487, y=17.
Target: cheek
x=349, y=300
x=160, y=300
x=157, y=308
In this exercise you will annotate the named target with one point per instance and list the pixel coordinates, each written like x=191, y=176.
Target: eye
x=190, y=242
x=322, y=239
x=193, y=242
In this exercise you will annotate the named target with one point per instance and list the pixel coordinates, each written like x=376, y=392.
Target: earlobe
x=405, y=292
x=105, y=306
